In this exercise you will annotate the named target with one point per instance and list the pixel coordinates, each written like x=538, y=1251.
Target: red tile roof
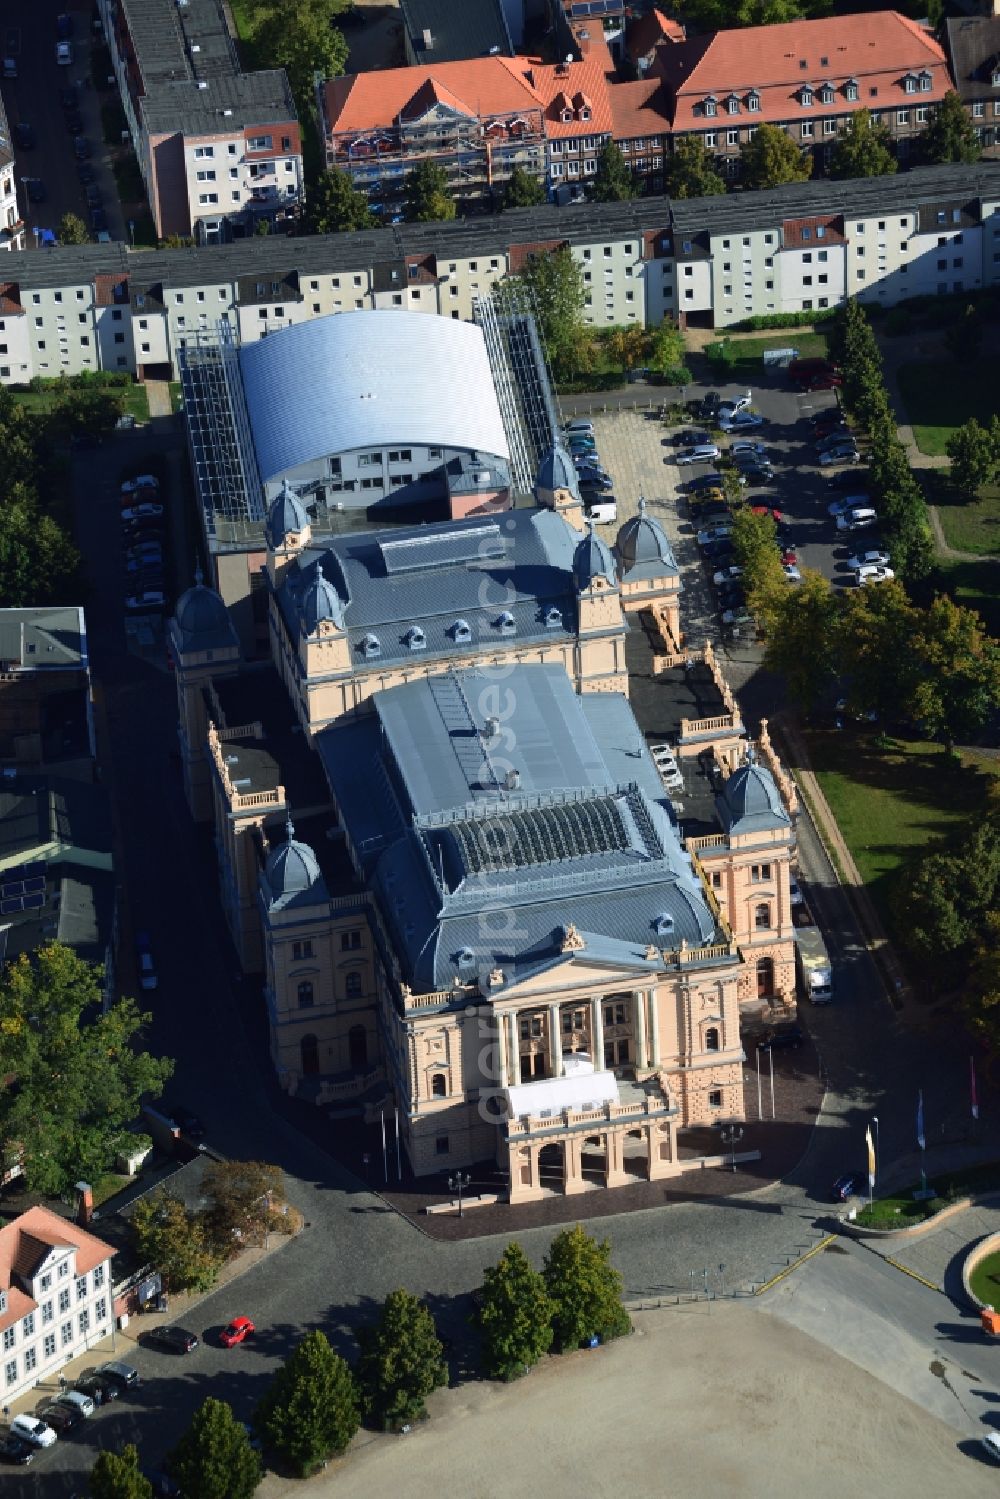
x=646, y=33
x=876, y=49
x=26, y=1241
x=639, y=109
x=794, y=239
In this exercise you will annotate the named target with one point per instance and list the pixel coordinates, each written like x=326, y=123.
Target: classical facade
x=445, y=848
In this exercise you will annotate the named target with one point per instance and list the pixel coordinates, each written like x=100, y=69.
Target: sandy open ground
x=701, y=1403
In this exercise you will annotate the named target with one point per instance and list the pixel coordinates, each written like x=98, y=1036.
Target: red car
x=239, y=1329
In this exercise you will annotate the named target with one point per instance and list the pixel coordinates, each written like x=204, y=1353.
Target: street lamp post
x=878, y=1156
x=732, y=1135
x=131, y=231
x=458, y=1183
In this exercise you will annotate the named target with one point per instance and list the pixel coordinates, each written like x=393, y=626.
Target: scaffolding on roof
x=521, y=377
x=219, y=436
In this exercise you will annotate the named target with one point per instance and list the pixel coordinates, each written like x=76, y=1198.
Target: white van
x=79, y=1401
x=581, y=427
x=603, y=510
x=857, y=519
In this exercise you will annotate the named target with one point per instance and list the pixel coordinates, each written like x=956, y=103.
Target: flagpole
x=760, y=1105
x=399, y=1166
x=921, y=1139
x=385, y=1158
x=877, y=1147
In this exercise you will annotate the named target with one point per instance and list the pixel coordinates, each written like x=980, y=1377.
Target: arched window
x=439, y=1085
x=357, y=1047
x=309, y=1048
x=305, y=992
x=352, y=986
x=712, y=1038
x=765, y=978
x=762, y=916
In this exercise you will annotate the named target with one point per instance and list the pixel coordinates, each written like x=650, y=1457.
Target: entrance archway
x=594, y=1160
x=635, y=1155
x=309, y=1048
x=552, y=1167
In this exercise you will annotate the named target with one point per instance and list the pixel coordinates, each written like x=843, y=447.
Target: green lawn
x=901, y=1211
x=136, y=400
x=974, y=528
x=984, y=1281
x=976, y=585
x=890, y=804
x=940, y=398
x=751, y=351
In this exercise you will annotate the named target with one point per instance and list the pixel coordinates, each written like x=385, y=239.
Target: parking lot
x=34, y=98
x=639, y=452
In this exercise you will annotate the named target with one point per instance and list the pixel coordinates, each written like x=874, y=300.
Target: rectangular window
x=49, y=1346
x=66, y=1333
x=710, y=137
x=902, y=116
x=101, y=1309
x=81, y=1288
x=200, y=152
x=350, y=941
x=9, y=1336
x=259, y=143
x=28, y=1325
x=829, y=127
x=301, y=950
x=401, y=455
x=48, y=1312
x=806, y=129
x=30, y=1360
x=208, y=197
x=64, y=1300
x=83, y=1322
x=760, y=872
x=10, y=1371
x=732, y=137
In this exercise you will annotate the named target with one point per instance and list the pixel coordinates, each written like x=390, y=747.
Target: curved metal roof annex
x=374, y=379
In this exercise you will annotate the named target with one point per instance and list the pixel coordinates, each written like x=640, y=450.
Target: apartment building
x=973, y=45
x=11, y=222
x=808, y=77
x=55, y=1296
x=105, y=307
x=219, y=149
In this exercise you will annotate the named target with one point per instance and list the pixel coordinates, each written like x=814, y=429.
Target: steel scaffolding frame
x=521, y=378
x=219, y=436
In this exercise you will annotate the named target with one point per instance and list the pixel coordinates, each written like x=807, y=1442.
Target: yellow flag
x=871, y=1151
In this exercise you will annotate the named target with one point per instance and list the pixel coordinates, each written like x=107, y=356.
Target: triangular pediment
x=574, y=973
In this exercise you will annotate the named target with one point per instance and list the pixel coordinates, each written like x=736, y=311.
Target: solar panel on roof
x=441, y=549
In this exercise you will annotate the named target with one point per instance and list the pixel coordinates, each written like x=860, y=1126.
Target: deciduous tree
x=614, y=181
x=974, y=458
x=515, y=1316
x=312, y=1408
x=556, y=284
x=689, y=171
x=302, y=39
x=38, y=562
x=770, y=157
x=873, y=648
x=959, y=682
x=170, y=1237
x=627, y=345
x=949, y=135
x=666, y=353
x=242, y=1199
x=214, y=1458
x=117, y=1475
x=79, y=1075
x=427, y=195
x=585, y=1288
x=402, y=1361
x=72, y=230
x=522, y=190
x=864, y=149
x=800, y=643
x=335, y=205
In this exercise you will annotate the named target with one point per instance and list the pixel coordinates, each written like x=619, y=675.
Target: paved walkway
x=158, y=394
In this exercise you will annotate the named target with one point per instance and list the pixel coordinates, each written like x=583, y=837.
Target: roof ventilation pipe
x=512, y=780
x=491, y=728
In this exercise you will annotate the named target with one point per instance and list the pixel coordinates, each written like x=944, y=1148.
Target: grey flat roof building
x=446, y=31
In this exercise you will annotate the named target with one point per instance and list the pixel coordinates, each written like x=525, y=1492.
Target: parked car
x=830, y=381
x=24, y=136
x=704, y=481
x=142, y=510
x=579, y=424
x=843, y=454
x=101, y=1391
x=840, y=439
x=730, y=596
x=711, y=534
x=64, y=1419
x=708, y=406
x=81, y=1402
x=146, y=601
x=593, y=481
x=64, y=54
x=704, y=499
x=804, y=371
x=737, y=618
x=92, y=193
x=704, y=452
x=875, y=558
x=991, y=1441
x=718, y=551
x=741, y=421
x=35, y=188
x=849, y=502
x=791, y=572
x=727, y=574
x=692, y=438
x=123, y=1374
x=144, y=961
x=872, y=574
x=858, y=519
x=82, y=148
x=238, y=1330
x=735, y=403
x=846, y=480
x=172, y=1339
x=748, y=445
x=73, y=120
x=789, y=1037
x=14, y=1449
x=31, y=1429
x=141, y=481
x=795, y=896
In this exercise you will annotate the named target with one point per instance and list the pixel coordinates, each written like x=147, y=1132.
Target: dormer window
x=924, y=82
x=711, y=106
x=753, y=101
x=820, y=231
x=566, y=115
x=806, y=232
x=826, y=94
x=466, y=960
x=584, y=113
x=416, y=639
x=663, y=925
x=995, y=78
x=851, y=91
x=460, y=632
x=910, y=84
x=805, y=96
x=371, y=646
x=506, y=624
x=733, y=104
x=553, y=619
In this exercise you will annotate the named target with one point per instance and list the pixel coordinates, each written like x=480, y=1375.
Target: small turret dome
x=292, y=873
x=287, y=516
x=203, y=619
x=320, y=601
x=591, y=560
x=642, y=543
x=557, y=471
x=750, y=800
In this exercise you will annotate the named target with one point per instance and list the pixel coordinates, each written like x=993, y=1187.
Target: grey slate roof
x=558, y=471
x=36, y=639
x=292, y=875
x=202, y=620
x=484, y=846
x=286, y=517
x=643, y=548
x=750, y=802
x=592, y=559
x=504, y=576
x=276, y=256
x=973, y=43
x=472, y=28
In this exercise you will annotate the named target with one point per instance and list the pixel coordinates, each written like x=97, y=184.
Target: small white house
x=55, y=1297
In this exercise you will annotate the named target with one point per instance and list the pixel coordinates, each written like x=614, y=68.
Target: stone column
x=639, y=1021
x=555, y=1041
x=514, y=1057
x=654, y=1030
x=597, y=1034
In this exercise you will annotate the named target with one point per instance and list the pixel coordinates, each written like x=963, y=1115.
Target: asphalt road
x=354, y=1250
x=34, y=97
